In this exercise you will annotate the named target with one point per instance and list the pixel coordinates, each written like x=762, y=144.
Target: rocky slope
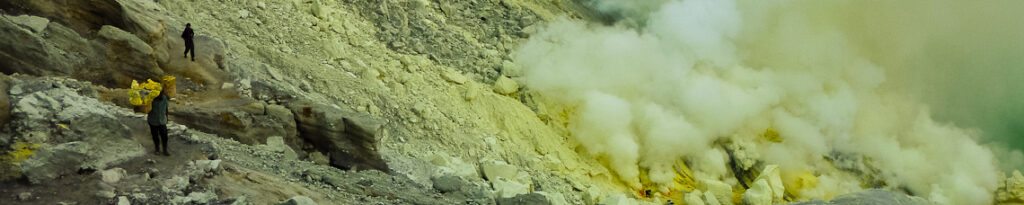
x=349, y=86
x=298, y=101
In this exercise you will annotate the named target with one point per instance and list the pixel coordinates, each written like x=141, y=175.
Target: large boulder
x=244, y=120
x=113, y=59
x=83, y=16
x=493, y=169
x=758, y=194
x=129, y=58
x=42, y=105
x=130, y=37
x=137, y=16
x=446, y=184
x=55, y=50
x=505, y=179
x=76, y=131
x=141, y=19
x=124, y=41
x=276, y=144
x=721, y=192
x=349, y=138
x=774, y=189
x=505, y=86
x=22, y=51
x=507, y=188
x=103, y=144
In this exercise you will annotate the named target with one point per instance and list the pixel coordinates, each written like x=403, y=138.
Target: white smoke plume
x=691, y=72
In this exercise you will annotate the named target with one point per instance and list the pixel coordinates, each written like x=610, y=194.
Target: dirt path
x=81, y=187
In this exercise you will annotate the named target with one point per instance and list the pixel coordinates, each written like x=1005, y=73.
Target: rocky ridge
x=232, y=94
x=299, y=101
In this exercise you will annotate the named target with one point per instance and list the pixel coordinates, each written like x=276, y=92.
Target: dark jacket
x=158, y=115
x=187, y=35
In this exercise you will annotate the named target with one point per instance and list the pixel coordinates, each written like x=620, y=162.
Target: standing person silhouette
x=189, y=44
x=157, y=119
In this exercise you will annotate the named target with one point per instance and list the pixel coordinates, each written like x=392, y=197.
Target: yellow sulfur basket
x=152, y=90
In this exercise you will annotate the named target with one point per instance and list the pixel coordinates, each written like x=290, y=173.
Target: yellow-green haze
x=902, y=83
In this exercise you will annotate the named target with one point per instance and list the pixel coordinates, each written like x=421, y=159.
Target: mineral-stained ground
x=331, y=102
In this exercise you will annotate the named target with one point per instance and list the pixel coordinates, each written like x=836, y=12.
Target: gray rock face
x=141, y=20
x=35, y=23
x=873, y=196
x=114, y=58
x=446, y=184
x=84, y=15
x=349, y=138
x=23, y=52
x=126, y=40
x=51, y=162
x=461, y=42
x=129, y=57
x=76, y=132
x=277, y=144
x=41, y=45
x=132, y=38
x=243, y=120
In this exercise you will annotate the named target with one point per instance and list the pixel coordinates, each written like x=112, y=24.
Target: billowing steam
x=679, y=75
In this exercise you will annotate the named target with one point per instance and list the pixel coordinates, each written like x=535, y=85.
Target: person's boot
x=167, y=153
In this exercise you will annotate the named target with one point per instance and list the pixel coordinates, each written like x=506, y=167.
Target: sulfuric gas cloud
x=850, y=77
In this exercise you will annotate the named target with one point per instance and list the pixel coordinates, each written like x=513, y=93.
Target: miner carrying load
x=158, y=101
x=157, y=119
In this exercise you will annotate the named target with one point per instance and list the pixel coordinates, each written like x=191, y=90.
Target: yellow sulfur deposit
x=684, y=180
x=22, y=151
x=153, y=89
x=10, y=163
x=771, y=135
x=799, y=181
x=1011, y=189
x=805, y=181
